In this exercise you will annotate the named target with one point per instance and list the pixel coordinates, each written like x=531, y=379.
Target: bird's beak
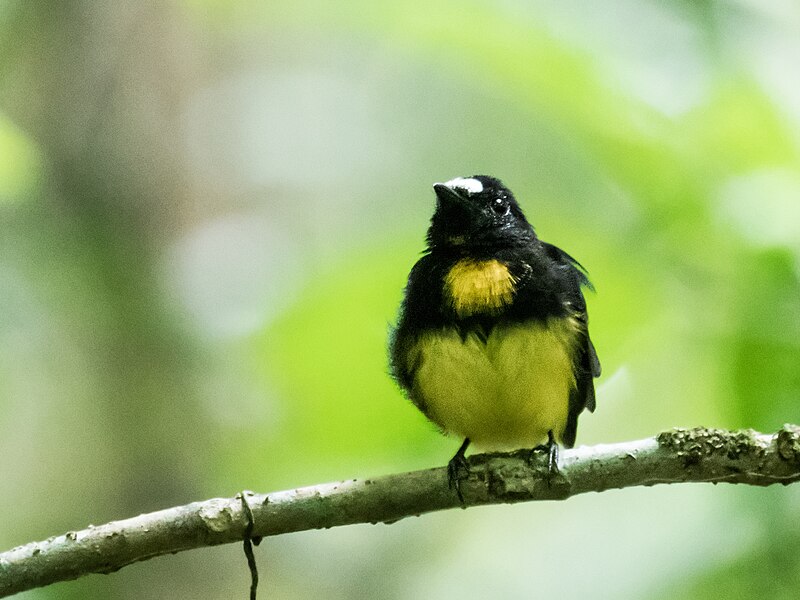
x=453, y=209
x=446, y=194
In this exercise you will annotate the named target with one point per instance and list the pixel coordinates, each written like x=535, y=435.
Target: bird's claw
x=551, y=450
x=457, y=471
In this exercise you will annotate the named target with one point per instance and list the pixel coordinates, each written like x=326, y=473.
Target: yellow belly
x=504, y=394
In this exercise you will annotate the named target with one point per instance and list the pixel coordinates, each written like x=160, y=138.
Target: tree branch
x=679, y=455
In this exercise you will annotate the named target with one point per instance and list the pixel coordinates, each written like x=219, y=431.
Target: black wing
x=586, y=365
x=418, y=312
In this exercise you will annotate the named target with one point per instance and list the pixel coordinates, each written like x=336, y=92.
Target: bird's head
x=477, y=211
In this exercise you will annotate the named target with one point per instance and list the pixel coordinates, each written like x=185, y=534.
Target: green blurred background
x=207, y=213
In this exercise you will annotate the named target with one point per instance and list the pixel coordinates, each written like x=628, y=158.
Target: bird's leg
x=551, y=448
x=552, y=453
x=458, y=469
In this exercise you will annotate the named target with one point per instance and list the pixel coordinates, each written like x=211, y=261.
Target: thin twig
x=680, y=455
x=248, y=544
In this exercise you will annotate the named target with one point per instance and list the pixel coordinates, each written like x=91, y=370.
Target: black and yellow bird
x=492, y=342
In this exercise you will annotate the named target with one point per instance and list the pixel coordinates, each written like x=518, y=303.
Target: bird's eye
x=500, y=206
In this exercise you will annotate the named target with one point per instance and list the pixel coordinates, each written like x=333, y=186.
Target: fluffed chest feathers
x=503, y=391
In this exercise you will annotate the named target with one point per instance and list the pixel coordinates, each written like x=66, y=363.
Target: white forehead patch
x=469, y=185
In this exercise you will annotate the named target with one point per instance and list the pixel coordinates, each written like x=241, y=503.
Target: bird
x=492, y=339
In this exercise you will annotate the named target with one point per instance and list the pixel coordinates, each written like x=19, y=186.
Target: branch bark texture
x=679, y=455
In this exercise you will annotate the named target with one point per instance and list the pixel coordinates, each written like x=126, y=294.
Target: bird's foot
x=550, y=449
x=458, y=470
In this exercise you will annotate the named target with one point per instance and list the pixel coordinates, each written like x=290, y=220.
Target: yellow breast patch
x=484, y=286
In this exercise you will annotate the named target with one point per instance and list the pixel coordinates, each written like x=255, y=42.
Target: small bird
x=492, y=342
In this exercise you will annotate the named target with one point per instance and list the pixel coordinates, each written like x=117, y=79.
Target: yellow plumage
x=484, y=286
x=504, y=394
x=492, y=341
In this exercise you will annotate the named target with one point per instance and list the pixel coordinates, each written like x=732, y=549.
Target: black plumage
x=489, y=293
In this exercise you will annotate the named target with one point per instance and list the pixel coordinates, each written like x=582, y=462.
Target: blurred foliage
x=19, y=164
x=207, y=213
